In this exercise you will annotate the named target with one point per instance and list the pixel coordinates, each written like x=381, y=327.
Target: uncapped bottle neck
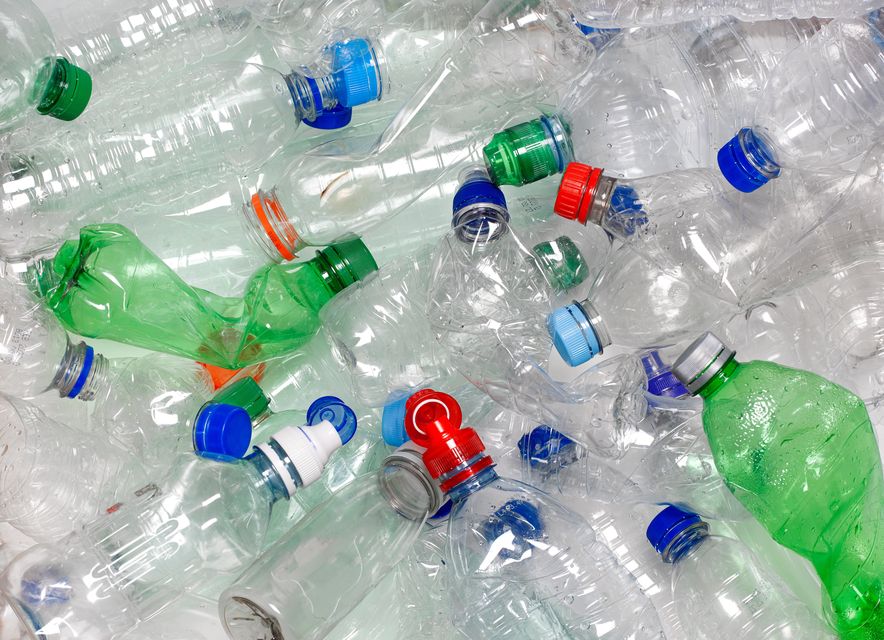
x=269, y=227
x=81, y=373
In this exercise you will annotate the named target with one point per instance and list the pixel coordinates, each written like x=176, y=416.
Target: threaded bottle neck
x=268, y=226
x=81, y=374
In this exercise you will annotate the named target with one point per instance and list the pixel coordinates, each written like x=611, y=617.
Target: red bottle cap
x=433, y=421
x=577, y=191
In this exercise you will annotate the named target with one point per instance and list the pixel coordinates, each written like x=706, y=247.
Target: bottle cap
x=477, y=190
x=333, y=410
x=222, y=430
x=562, y=262
x=336, y=118
x=876, y=26
x=67, y=92
x=703, y=358
x=528, y=151
x=245, y=393
x=519, y=518
x=348, y=260
x=573, y=335
x=577, y=191
x=661, y=380
x=669, y=525
x=479, y=208
x=543, y=444
x=453, y=454
x=393, y=422
x=357, y=73
x=747, y=162
x=598, y=37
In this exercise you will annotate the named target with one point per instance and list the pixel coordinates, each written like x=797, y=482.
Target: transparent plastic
x=55, y=478
x=723, y=591
x=629, y=13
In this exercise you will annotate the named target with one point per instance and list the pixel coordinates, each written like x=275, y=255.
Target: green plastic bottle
x=800, y=453
x=109, y=285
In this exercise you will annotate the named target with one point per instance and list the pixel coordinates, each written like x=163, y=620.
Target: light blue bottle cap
x=747, y=162
x=670, y=526
x=223, y=431
x=358, y=77
x=393, y=423
x=572, y=334
x=336, y=411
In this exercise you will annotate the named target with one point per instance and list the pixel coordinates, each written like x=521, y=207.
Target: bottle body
x=833, y=516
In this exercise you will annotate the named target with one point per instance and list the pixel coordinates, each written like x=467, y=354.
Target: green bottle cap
x=346, y=261
x=67, y=91
x=528, y=151
x=245, y=393
x=562, y=262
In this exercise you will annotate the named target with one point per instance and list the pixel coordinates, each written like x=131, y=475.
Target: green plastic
x=66, y=91
x=109, y=285
x=800, y=453
x=562, y=263
x=245, y=393
x=528, y=152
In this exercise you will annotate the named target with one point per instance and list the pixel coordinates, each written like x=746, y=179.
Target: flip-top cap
x=701, y=361
x=335, y=411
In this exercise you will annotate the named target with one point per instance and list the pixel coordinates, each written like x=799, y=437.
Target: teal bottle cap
x=348, y=260
x=67, y=91
x=561, y=262
x=528, y=151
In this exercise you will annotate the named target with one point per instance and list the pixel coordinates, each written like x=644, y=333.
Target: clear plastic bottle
x=629, y=13
x=624, y=308
x=663, y=99
x=721, y=589
x=32, y=75
x=56, y=478
x=204, y=524
x=820, y=109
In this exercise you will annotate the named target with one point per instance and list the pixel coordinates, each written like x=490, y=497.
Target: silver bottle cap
x=701, y=361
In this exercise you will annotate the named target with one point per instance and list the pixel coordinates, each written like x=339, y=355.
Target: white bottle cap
x=308, y=448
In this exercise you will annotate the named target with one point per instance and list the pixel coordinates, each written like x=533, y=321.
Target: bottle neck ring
x=81, y=372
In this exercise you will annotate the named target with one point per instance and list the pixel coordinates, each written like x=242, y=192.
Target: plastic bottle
x=624, y=308
x=205, y=524
x=663, y=99
x=721, y=589
x=821, y=124
x=33, y=76
x=56, y=478
x=800, y=453
x=386, y=518
x=629, y=13
x=110, y=285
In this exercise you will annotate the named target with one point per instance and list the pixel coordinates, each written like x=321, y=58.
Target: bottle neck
x=81, y=372
x=686, y=542
x=267, y=478
x=600, y=200
x=312, y=96
x=719, y=379
x=462, y=490
x=594, y=329
x=268, y=226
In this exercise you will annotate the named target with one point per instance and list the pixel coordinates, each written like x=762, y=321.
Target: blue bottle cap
x=478, y=192
x=747, y=162
x=876, y=24
x=46, y=585
x=336, y=411
x=669, y=525
x=336, y=118
x=542, y=444
x=393, y=423
x=223, y=431
x=572, y=334
x=443, y=512
x=661, y=380
x=519, y=517
x=356, y=71
x=598, y=37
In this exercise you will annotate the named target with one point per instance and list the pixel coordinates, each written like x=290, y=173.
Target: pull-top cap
x=573, y=335
x=67, y=93
x=357, y=72
x=528, y=151
x=703, y=358
x=223, y=431
x=347, y=260
x=576, y=191
x=747, y=161
x=661, y=380
x=674, y=531
x=453, y=454
x=561, y=262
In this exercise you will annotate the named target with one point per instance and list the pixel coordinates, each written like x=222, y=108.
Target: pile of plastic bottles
x=402, y=319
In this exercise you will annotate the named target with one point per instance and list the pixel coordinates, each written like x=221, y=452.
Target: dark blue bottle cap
x=747, y=162
x=519, y=517
x=336, y=411
x=625, y=211
x=661, y=380
x=669, y=525
x=478, y=191
x=393, y=422
x=443, y=512
x=222, y=431
x=544, y=443
x=336, y=118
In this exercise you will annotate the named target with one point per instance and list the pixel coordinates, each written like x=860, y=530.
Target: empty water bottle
x=767, y=424
x=721, y=589
x=204, y=524
x=32, y=74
